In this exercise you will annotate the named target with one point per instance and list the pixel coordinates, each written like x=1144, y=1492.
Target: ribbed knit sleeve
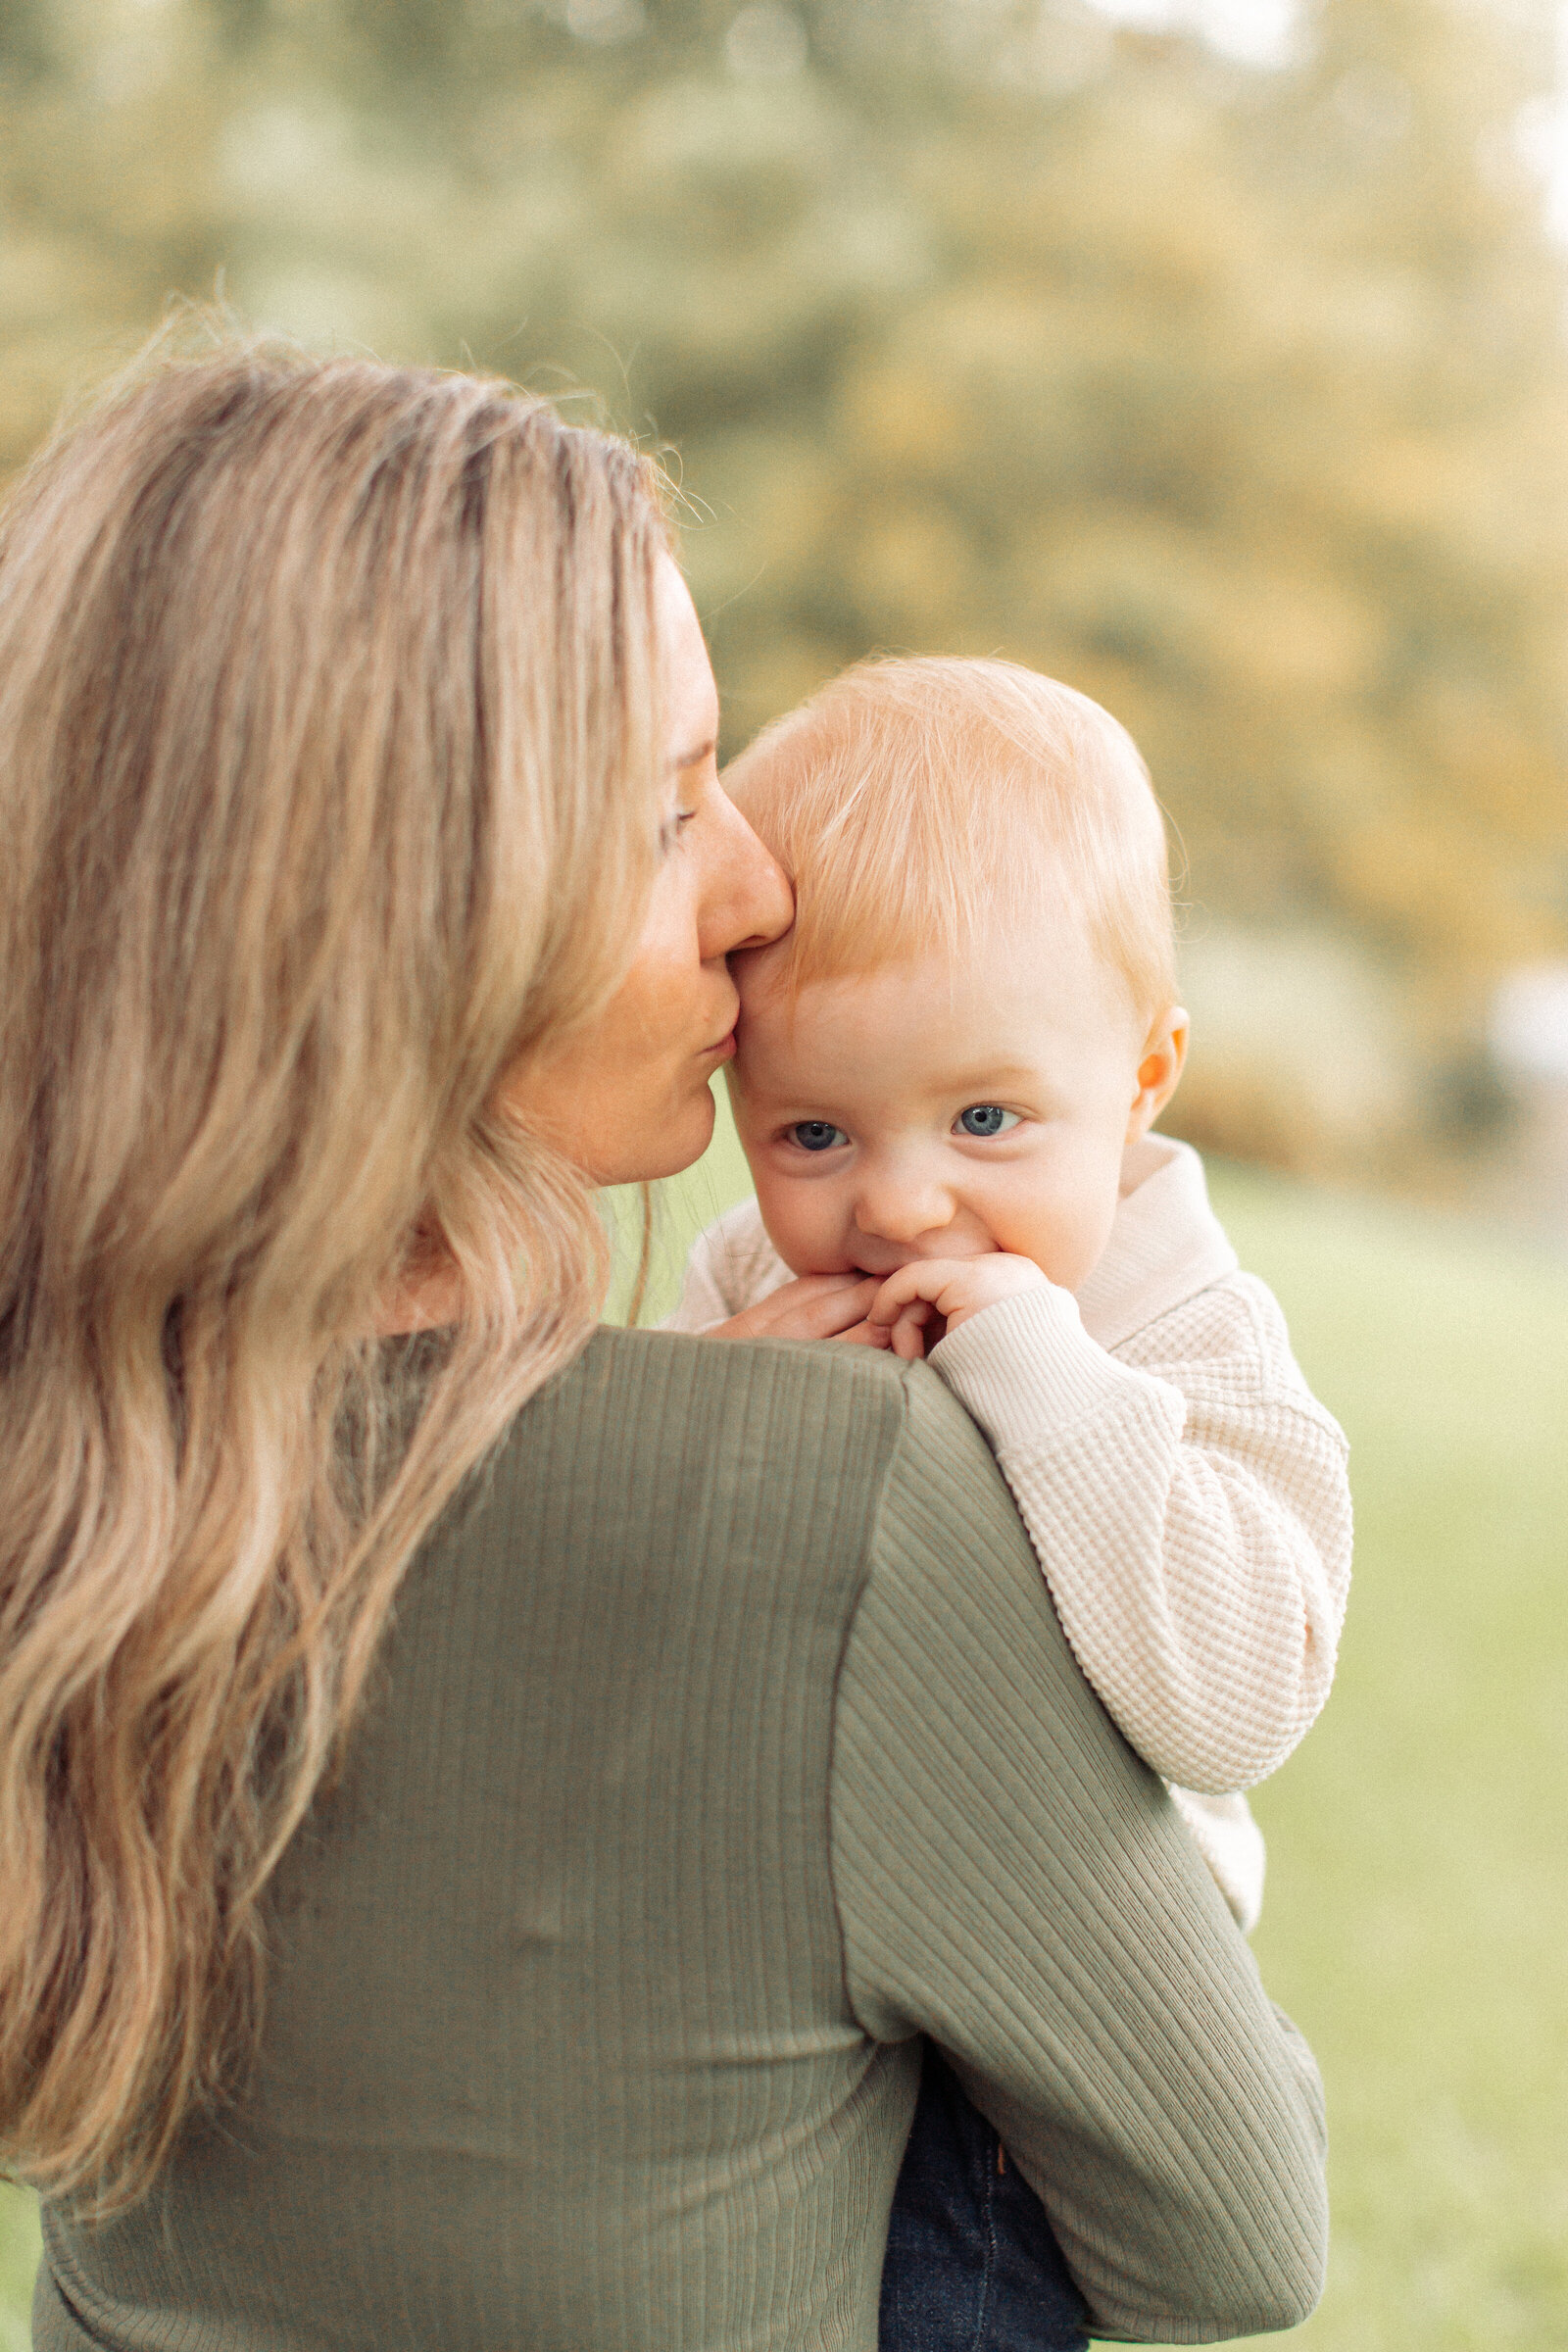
x=1188, y=1499
x=1012, y=1881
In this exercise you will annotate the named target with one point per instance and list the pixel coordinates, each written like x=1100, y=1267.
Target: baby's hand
x=949, y=1291
x=815, y=1306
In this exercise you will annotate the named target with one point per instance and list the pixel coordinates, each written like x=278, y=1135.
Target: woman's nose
x=745, y=899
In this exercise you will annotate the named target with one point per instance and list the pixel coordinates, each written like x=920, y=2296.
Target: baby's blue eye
x=985, y=1118
x=815, y=1135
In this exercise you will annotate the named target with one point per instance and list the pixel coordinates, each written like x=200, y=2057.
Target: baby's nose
x=902, y=1210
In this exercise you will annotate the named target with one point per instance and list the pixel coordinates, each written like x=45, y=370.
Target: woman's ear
x=1158, y=1071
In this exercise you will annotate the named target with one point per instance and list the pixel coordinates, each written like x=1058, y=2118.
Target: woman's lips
x=723, y=1046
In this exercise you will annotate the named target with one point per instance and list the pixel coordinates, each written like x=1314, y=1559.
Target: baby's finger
x=908, y=1339
x=865, y=1335
x=815, y=1306
x=832, y=1312
x=912, y=1282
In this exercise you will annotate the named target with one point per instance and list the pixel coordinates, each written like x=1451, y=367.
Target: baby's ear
x=1158, y=1071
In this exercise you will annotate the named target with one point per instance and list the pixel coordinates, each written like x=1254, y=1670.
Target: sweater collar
x=1166, y=1243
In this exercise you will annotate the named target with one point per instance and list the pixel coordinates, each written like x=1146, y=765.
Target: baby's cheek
x=799, y=1230
x=1056, y=1224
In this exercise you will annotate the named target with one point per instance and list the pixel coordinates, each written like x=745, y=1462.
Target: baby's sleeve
x=702, y=1302
x=1010, y=1882
x=1188, y=1501
x=732, y=1264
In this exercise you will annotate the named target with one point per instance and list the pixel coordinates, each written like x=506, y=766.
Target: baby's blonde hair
x=915, y=801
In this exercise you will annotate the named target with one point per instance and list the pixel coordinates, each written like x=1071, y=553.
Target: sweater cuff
x=1027, y=1368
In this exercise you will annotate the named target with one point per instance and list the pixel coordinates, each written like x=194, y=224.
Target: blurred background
x=1214, y=358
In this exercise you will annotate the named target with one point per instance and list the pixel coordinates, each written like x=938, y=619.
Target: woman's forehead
x=691, y=699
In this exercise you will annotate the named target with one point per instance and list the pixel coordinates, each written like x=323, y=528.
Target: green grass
x=1417, y=1914
x=18, y=2257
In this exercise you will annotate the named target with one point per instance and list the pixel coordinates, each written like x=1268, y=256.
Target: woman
x=500, y=1916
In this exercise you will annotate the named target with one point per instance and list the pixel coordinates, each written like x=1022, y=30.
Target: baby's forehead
x=998, y=964
x=928, y=1022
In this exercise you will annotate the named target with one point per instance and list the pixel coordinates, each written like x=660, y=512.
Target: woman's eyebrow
x=694, y=759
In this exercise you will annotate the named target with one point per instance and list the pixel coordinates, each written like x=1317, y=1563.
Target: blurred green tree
x=1237, y=396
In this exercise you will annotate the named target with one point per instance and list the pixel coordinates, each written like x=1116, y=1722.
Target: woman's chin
x=682, y=1139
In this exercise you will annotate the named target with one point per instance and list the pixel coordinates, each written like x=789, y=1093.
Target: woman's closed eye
x=985, y=1118
x=670, y=831
x=817, y=1135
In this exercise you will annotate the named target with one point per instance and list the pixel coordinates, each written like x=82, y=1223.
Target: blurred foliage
x=1237, y=396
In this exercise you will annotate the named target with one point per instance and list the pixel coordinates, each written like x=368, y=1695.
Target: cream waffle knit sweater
x=1183, y=1491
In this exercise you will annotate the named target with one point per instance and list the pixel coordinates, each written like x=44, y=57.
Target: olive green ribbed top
x=725, y=1740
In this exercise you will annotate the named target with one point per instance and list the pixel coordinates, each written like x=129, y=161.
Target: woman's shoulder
x=760, y=1488
x=644, y=1372
x=674, y=1424
x=683, y=1393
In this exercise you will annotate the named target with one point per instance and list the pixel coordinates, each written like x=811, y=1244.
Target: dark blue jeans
x=972, y=2263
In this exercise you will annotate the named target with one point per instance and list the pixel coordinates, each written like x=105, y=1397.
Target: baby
x=947, y=1077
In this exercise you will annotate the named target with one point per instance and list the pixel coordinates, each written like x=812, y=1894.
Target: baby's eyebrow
x=975, y=1082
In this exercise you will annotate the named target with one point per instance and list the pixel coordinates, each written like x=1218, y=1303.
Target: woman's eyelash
x=669, y=832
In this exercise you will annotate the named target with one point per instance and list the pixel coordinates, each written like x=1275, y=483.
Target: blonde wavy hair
x=914, y=802
x=328, y=772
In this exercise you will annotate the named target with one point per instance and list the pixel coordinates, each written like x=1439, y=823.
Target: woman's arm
x=1013, y=1883
x=1191, y=1511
